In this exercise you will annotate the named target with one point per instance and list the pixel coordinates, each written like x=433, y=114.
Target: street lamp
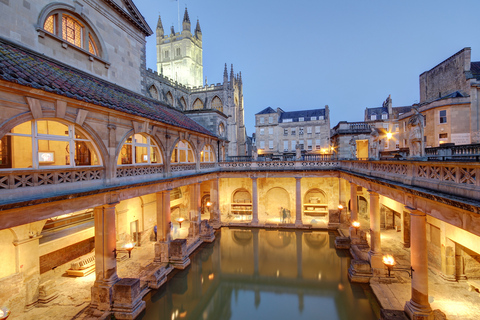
x=389, y=262
x=4, y=313
x=356, y=225
x=180, y=220
x=126, y=247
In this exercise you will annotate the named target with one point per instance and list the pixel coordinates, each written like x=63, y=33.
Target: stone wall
x=66, y=254
x=447, y=77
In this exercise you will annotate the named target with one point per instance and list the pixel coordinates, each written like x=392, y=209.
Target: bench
x=82, y=267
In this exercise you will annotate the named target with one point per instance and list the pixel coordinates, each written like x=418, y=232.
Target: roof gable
x=132, y=14
x=267, y=111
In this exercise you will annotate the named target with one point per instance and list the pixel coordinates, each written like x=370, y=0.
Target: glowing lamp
x=340, y=207
x=211, y=276
x=129, y=247
x=356, y=225
x=4, y=313
x=389, y=135
x=180, y=220
x=389, y=261
x=209, y=204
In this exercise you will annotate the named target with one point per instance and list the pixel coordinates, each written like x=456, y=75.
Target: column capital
x=373, y=193
x=298, y=178
x=352, y=183
x=254, y=178
x=414, y=211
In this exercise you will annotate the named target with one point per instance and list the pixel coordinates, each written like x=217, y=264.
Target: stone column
x=254, y=201
x=353, y=209
x=375, y=253
x=447, y=255
x=164, y=225
x=215, y=200
x=298, y=202
x=459, y=263
x=198, y=202
x=105, y=261
x=418, y=307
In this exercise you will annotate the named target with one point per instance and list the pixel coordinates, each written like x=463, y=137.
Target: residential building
x=279, y=131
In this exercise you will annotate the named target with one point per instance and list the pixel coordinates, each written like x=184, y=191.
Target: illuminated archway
x=183, y=153
x=139, y=148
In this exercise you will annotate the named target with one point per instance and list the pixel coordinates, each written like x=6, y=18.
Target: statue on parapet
x=298, y=151
x=415, y=134
x=373, y=144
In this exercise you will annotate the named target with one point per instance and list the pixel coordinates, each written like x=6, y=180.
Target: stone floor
x=453, y=299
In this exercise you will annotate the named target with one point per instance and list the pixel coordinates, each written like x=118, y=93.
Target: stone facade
x=278, y=131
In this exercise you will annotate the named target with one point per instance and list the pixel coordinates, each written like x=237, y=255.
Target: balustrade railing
x=134, y=170
x=15, y=179
x=207, y=165
x=183, y=167
x=468, y=152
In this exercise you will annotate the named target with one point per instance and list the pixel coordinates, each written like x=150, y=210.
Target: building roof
x=475, y=69
x=376, y=110
x=25, y=67
x=267, y=111
x=306, y=114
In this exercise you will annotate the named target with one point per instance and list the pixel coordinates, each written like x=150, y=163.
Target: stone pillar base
x=378, y=268
x=162, y=252
x=448, y=277
x=207, y=233
x=298, y=223
x=215, y=224
x=155, y=275
x=178, y=253
x=193, y=230
x=127, y=299
x=101, y=296
x=359, y=271
x=416, y=311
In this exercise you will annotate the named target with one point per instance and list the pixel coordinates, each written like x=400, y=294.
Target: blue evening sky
x=348, y=54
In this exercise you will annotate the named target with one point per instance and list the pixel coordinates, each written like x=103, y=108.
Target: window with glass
x=309, y=144
x=294, y=144
x=270, y=144
x=317, y=129
x=139, y=148
x=38, y=143
x=270, y=130
x=317, y=144
x=300, y=131
x=285, y=145
x=320, y=118
x=262, y=120
x=301, y=119
x=270, y=119
x=285, y=132
x=309, y=130
x=72, y=30
x=294, y=131
x=301, y=144
x=262, y=144
x=207, y=154
x=198, y=104
x=384, y=116
x=182, y=153
x=262, y=131
x=443, y=116
x=217, y=104
x=313, y=118
x=373, y=117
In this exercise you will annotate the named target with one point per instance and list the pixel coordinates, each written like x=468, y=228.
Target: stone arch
x=217, y=104
x=241, y=195
x=197, y=104
x=280, y=239
x=131, y=133
x=276, y=198
x=316, y=195
x=242, y=237
x=192, y=145
x=169, y=98
x=183, y=104
x=56, y=6
x=316, y=240
x=85, y=129
x=154, y=92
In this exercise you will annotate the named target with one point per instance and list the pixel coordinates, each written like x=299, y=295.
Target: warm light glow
x=183, y=314
x=211, y=276
x=356, y=224
x=388, y=260
x=129, y=245
x=340, y=207
x=209, y=204
x=1, y=313
x=180, y=220
x=389, y=135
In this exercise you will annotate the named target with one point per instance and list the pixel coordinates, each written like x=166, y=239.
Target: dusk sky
x=347, y=54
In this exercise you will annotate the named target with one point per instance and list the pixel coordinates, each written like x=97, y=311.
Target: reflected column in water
x=254, y=201
x=298, y=236
x=255, y=252
x=298, y=201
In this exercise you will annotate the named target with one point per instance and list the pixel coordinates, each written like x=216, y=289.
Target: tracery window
x=207, y=154
x=169, y=98
x=198, y=104
x=217, y=104
x=153, y=92
x=182, y=153
x=72, y=30
x=39, y=143
x=139, y=148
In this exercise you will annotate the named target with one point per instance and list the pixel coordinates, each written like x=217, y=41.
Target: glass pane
x=85, y=154
x=140, y=139
x=53, y=153
x=182, y=145
x=190, y=156
x=141, y=154
x=49, y=24
x=155, y=155
x=79, y=135
x=183, y=156
x=24, y=128
x=202, y=156
x=72, y=30
x=174, y=156
x=21, y=152
x=125, y=156
x=52, y=128
x=92, y=47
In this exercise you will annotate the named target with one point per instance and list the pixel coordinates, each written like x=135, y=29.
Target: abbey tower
x=179, y=55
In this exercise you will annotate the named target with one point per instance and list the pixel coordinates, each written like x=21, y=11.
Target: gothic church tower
x=179, y=55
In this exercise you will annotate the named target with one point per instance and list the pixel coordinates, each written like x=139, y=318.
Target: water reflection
x=262, y=274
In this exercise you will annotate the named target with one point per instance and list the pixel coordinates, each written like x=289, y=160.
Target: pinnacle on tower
x=198, y=31
x=159, y=27
x=231, y=72
x=186, y=21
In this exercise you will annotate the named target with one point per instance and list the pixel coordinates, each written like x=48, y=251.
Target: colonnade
x=418, y=307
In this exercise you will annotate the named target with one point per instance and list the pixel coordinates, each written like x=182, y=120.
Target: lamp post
x=389, y=262
x=127, y=247
x=180, y=220
x=356, y=225
x=340, y=208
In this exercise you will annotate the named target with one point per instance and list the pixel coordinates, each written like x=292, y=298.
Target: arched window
x=207, y=154
x=217, y=104
x=71, y=29
x=198, y=104
x=139, y=148
x=182, y=153
x=40, y=143
x=183, y=103
x=153, y=92
x=169, y=98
